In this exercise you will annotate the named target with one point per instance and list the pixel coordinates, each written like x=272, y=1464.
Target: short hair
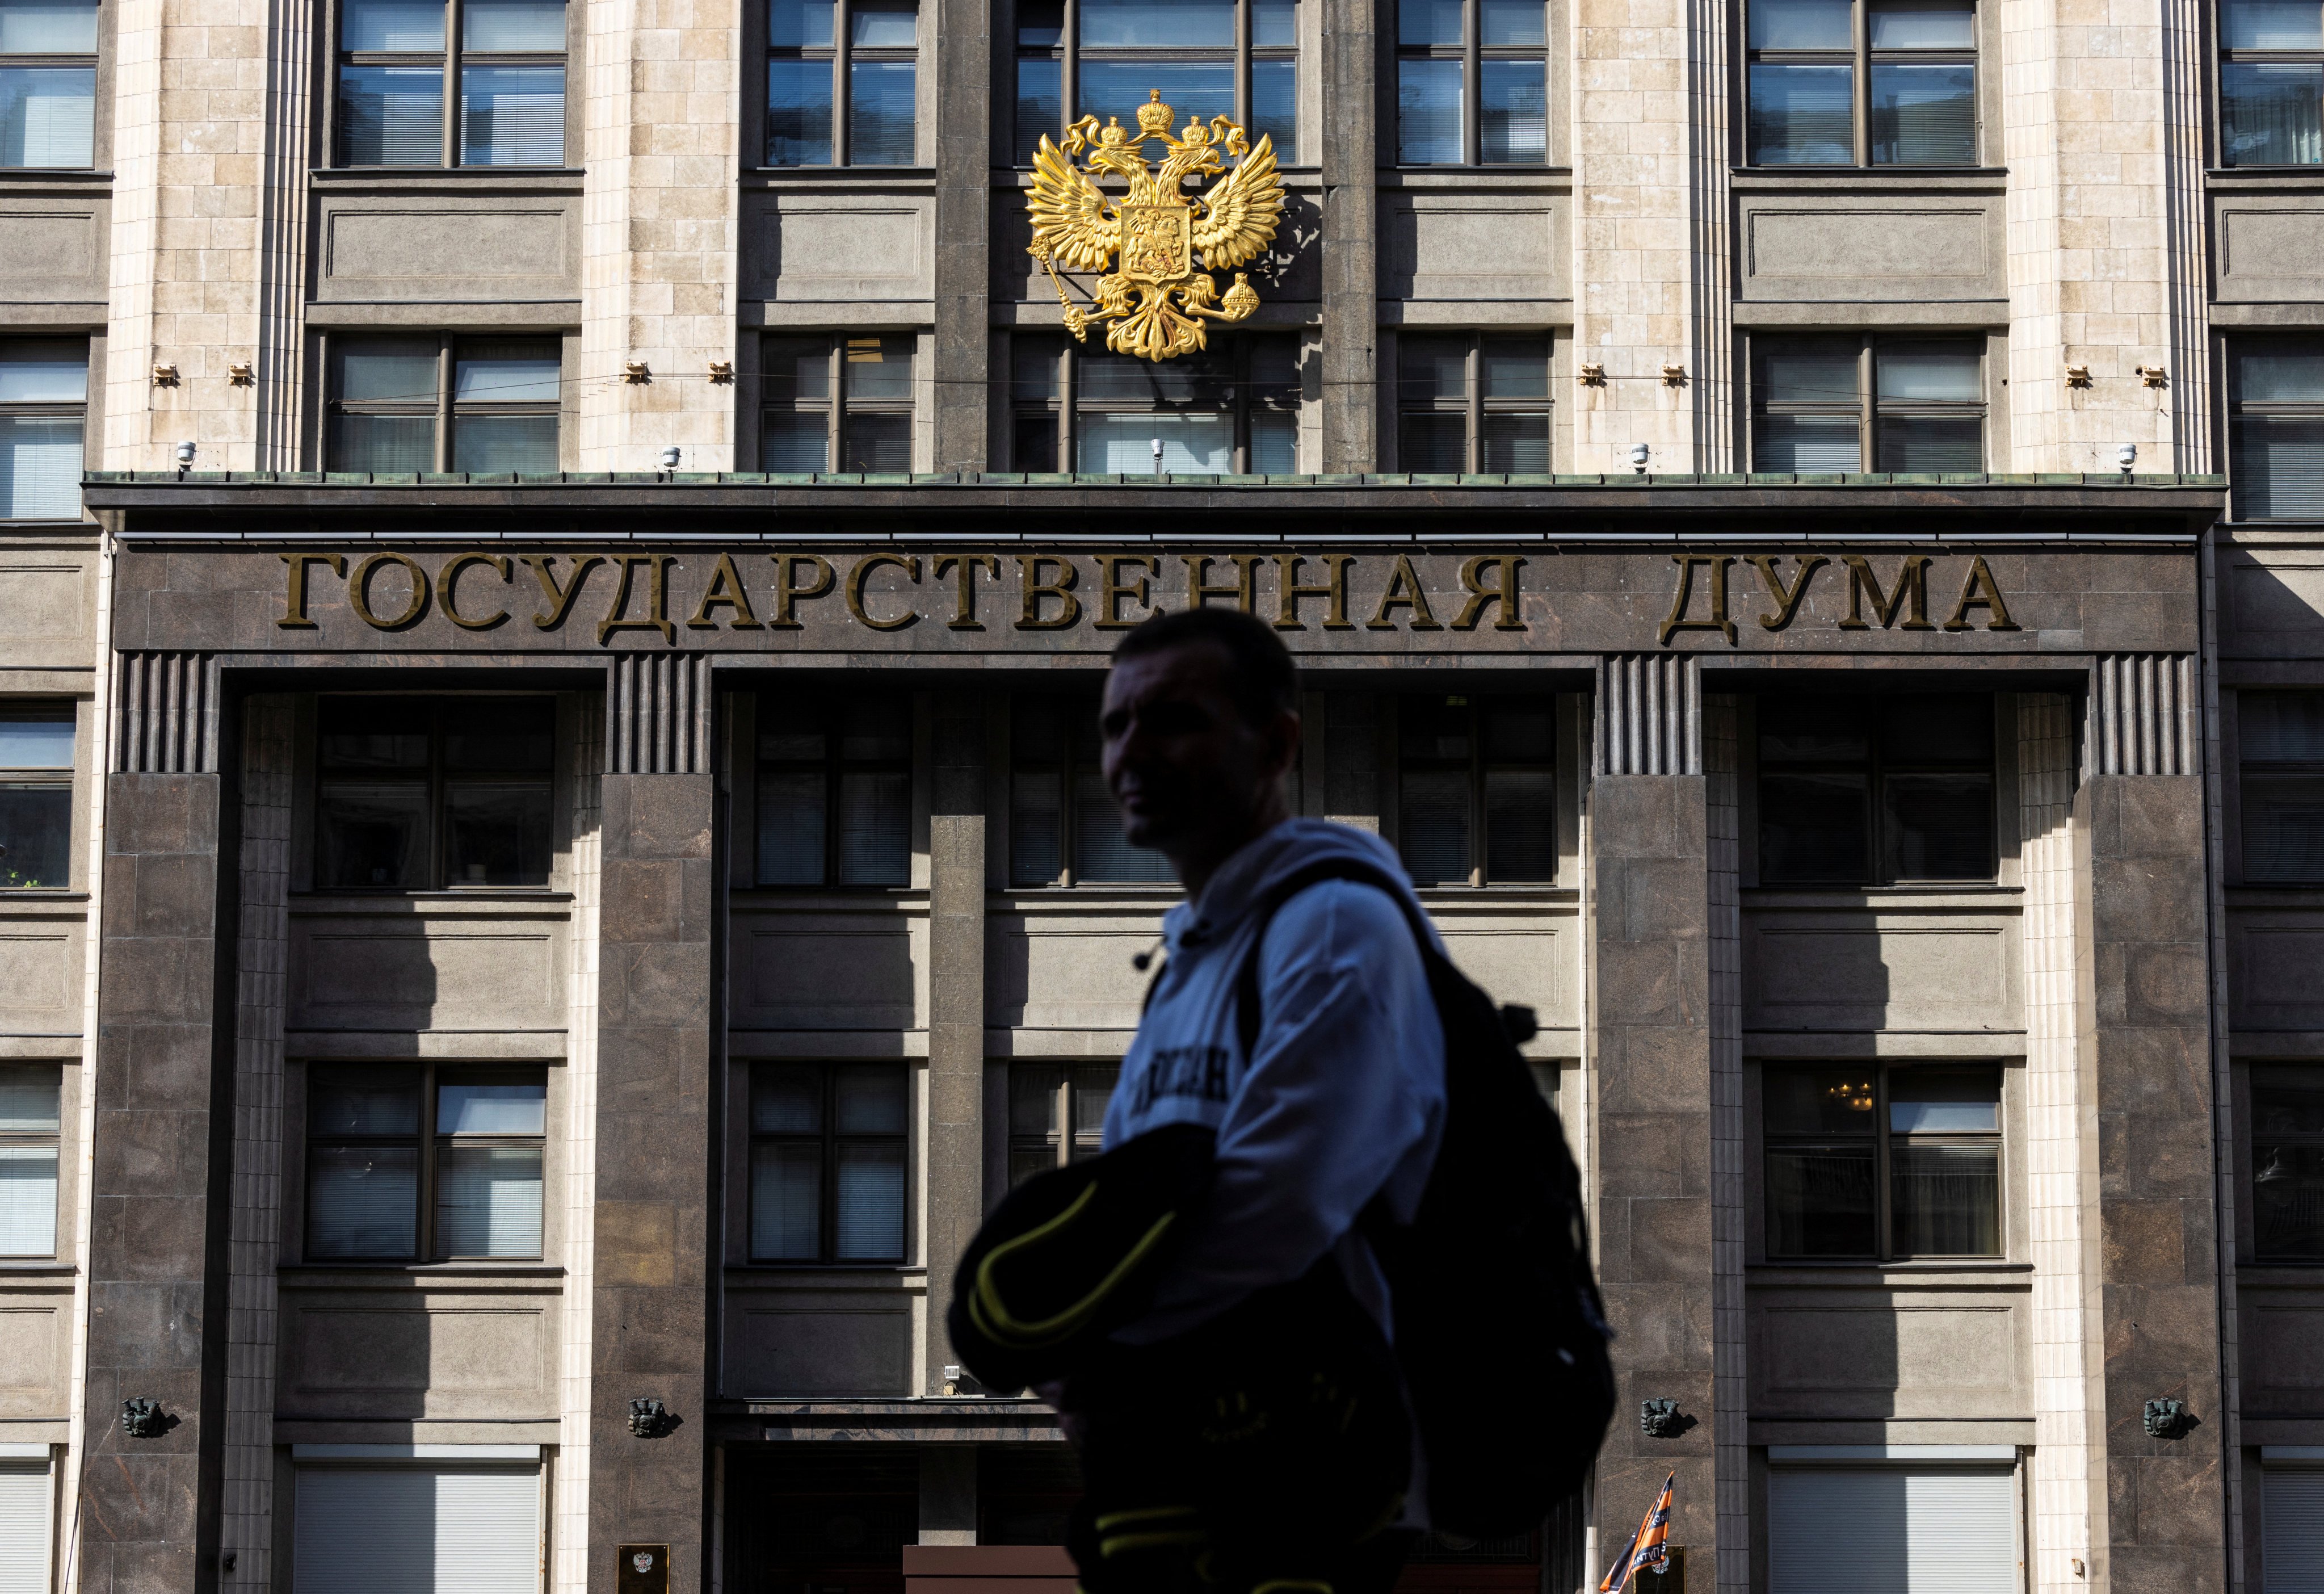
x=1260, y=676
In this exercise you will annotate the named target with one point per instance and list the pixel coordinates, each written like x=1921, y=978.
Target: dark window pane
x=1923, y=24
x=790, y=828
x=491, y=1104
x=2271, y=112
x=1432, y=443
x=1428, y=112
x=385, y=370
x=2288, y=1201
x=1800, y=116
x=1944, y=1101
x=1034, y=443
x=876, y=727
x=798, y=112
x=1938, y=826
x=1510, y=21
x=1101, y=851
x=2273, y=726
x=1820, y=1201
x=496, y=835
x=786, y=1098
x=2284, y=827
x=511, y=116
x=1275, y=107
x=1520, y=730
x=870, y=1207
x=796, y=369
x=1513, y=368
x=362, y=1201
x=1192, y=89
x=1433, y=826
x=1520, y=826
x=1819, y=1101
x=799, y=24
x=1428, y=21
x=499, y=733
x=877, y=443
x=1938, y=727
x=871, y=1099
x=794, y=441
x=1035, y=814
x=1431, y=368
x=786, y=1201
x=391, y=24
x=382, y=442
x=880, y=119
x=1040, y=22
x=36, y=835
x=1928, y=444
x=488, y=1201
x=1813, y=829
x=1946, y=1200
x=1092, y=1091
x=1433, y=727
x=1033, y=1101
x=2279, y=468
x=505, y=370
x=1204, y=381
x=1274, y=23
x=523, y=444
x=514, y=25
x=1040, y=105
x=32, y=1098
x=2287, y=1100
x=1823, y=372
x=1516, y=445
x=391, y=116
x=1923, y=115
x=1801, y=24
x=1935, y=370
x=362, y=1099
x=1808, y=445
x=1274, y=445
x=1185, y=24
x=1513, y=112
x=372, y=733
x=1033, y=370
x=372, y=837
x=1801, y=727
x=875, y=828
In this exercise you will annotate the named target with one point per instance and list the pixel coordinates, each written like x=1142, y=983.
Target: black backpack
x=1499, y=1330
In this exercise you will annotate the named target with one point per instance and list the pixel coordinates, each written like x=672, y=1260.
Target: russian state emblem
x=1154, y=305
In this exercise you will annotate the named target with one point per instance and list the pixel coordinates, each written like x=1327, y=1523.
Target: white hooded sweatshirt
x=1343, y=1099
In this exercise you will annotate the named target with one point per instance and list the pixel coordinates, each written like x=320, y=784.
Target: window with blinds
x=1895, y=1528
x=1057, y=1114
x=1476, y=802
x=2287, y=1153
x=25, y=1516
x=36, y=760
x=418, y=1528
x=30, y=1120
x=1840, y=1187
x=47, y=83
x=44, y=413
x=1064, y=828
x=1863, y=791
x=828, y=1161
x=2281, y=785
x=410, y=1161
x=836, y=789
x=2275, y=427
x=433, y=83
x=2291, y=1529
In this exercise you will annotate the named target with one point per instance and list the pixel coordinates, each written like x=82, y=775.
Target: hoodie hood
x=1243, y=881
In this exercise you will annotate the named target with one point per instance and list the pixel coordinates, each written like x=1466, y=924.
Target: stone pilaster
x=661, y=86
x=148, y=1507
x=956, y=864
x=2151, y=1062
x=965, y=140
x=1650, y=1006
x=255, y=1220
x=1352, y=152
x=659, y=1018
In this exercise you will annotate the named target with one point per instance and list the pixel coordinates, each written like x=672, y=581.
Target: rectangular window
x=31, y=1116
x=2281, y=785
x=1841, y=1188
x=836, y=789
x=1443, y=47
x=451, y=83
x=2287, y=1135
x=1910, y=1526
x=2275, y=427
x=483, y=405
x=1863, y=791
x=1477, y=790
x=1230, y=409
x=2291, y=1530
x=828, y=1173
x=837, y=403
x=1469, y=402
x=1825, y=405
x=36, y=760
x=43, y=409
x=1237, y=59
x=841, y=81
x=433, y=793
x=1861, y=83
x=409, y=1162
x=409, y=1525
x=2271, y=83
x=47, y=83
x=1064, y=828
x=1057, y=1114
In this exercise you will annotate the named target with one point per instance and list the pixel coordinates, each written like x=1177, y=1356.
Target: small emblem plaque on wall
x=641, y=1569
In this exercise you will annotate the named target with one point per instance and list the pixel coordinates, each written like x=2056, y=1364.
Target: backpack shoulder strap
x=1248, y=1014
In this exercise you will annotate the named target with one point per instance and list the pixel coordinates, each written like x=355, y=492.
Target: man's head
x=1200, y=722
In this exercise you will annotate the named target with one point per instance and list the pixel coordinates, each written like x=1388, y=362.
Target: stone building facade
x=523, y=957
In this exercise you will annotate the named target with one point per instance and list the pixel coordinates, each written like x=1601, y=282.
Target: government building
x=556, y=559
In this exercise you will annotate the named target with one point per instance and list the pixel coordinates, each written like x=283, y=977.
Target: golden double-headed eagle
x=1156, y=228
